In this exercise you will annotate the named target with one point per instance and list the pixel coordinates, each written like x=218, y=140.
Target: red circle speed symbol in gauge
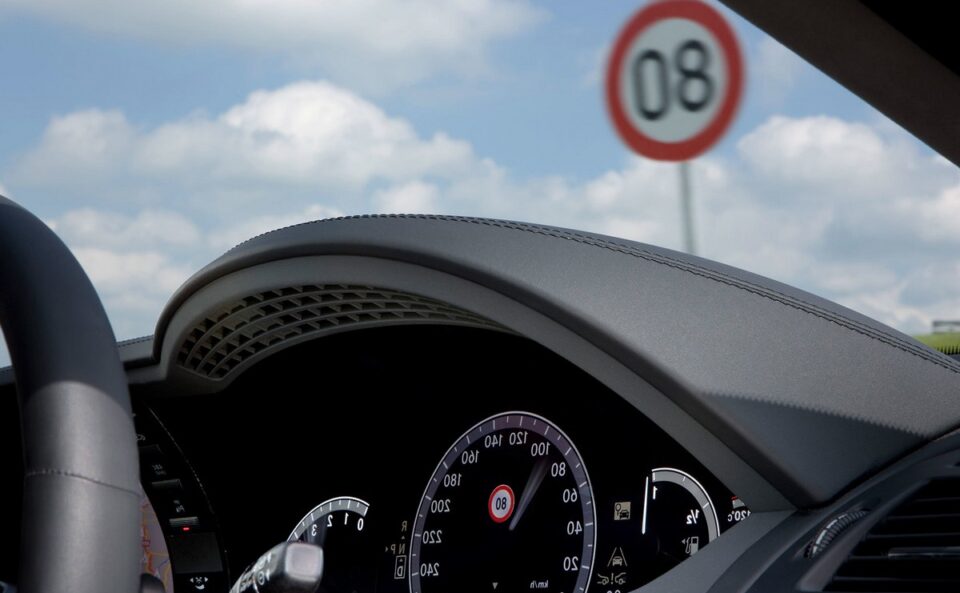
x=674, y=79
x=501, y=503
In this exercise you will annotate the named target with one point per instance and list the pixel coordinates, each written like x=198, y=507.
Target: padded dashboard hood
x=808, y=393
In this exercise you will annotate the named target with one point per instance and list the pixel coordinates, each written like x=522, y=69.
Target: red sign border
x=713, y=21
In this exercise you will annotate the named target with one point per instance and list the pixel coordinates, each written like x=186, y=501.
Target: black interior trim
x=872, y=49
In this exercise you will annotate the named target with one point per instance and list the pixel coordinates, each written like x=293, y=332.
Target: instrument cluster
x=487, y=465
x=511, y=507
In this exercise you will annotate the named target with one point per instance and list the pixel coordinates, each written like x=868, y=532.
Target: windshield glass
x=154, y=136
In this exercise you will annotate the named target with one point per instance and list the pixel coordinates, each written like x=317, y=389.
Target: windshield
x=154, y=136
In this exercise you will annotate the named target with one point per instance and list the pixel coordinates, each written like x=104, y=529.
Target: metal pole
x=686, y=207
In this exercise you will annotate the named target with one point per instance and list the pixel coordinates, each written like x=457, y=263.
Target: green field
x=946, y=342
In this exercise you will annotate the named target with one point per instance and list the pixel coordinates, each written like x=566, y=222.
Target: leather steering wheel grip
x=81, y=503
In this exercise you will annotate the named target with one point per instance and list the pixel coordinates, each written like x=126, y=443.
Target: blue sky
x=152, y=136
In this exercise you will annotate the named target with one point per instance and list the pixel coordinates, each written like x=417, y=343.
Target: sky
x=154, y=136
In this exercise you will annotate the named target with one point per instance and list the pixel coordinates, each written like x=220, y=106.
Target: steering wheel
x=81, y=492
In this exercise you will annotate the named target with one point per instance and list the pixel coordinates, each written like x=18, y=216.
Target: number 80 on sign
x=674, y=79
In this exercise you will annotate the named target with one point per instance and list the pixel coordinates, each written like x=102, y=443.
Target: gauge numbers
x=509, y=508
x=339, y=526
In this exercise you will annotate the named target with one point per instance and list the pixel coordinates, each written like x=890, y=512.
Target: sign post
x=673, y=85
x=686, y=207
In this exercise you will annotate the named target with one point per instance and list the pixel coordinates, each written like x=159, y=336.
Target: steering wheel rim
x=81, y=502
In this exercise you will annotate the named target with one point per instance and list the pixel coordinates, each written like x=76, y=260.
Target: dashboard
x=470, y=406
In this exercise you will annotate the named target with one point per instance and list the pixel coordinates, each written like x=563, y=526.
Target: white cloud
x=862, y=215
x=410, y=198
x=305, y=134
x=113, y=273
x=135, y=262
x=853, y=211
x=374, y=43
x=83, y=144
x=149, y=228
x=228, y=237
x=936, y=220
x=823, y=152
x=133, y=285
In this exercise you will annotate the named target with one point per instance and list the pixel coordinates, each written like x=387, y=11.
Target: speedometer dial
x=509, y=508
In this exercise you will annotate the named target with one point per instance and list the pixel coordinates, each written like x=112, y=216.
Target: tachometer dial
x=340, y=527
x=509, y=508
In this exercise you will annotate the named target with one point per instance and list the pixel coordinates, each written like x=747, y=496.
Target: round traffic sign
x=500, y=504
x=674, y=79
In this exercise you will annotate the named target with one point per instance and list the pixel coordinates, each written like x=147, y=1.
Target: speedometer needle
x=533, y=483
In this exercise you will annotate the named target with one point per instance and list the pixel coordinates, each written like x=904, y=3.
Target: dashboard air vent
x=262, y=322
x=914, y=548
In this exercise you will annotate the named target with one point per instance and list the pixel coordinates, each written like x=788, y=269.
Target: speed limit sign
x=674, y=79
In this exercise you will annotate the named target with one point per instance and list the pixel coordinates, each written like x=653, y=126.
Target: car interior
x=441, y=404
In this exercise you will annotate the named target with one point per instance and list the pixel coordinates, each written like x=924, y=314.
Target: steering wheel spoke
x=81, y=481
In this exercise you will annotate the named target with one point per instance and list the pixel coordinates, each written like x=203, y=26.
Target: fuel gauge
x=677, y=513
x=670, y=519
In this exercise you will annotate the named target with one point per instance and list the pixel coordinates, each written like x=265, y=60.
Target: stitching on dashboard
x=817, y=410
x=39, y=473
x=691, y=268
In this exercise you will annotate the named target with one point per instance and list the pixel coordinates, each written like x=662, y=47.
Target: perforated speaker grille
x=259, y=323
